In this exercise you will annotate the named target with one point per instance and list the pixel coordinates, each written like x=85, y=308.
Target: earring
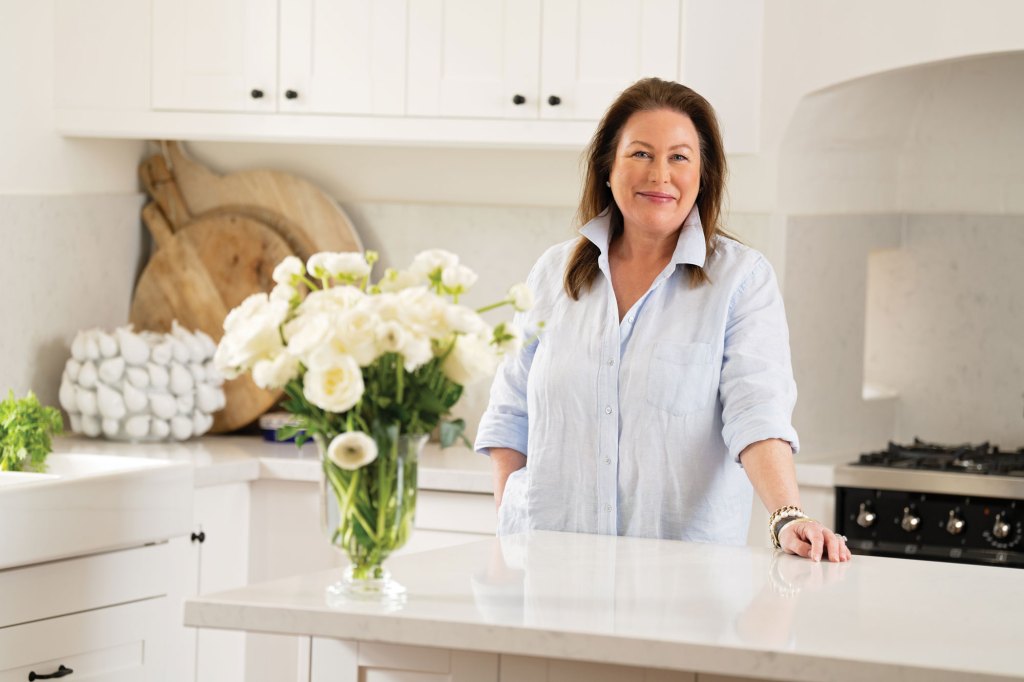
x=607, y=183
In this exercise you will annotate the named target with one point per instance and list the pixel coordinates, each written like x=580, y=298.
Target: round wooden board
x=204, y=271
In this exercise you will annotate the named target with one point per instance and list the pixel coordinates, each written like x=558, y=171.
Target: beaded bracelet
x=789, y=511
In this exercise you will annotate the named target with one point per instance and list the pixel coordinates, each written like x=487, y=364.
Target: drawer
x=59, y=587
x=459, y=512
x=124, y=643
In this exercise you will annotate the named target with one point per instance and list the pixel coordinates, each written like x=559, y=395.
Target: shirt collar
x=691, y=249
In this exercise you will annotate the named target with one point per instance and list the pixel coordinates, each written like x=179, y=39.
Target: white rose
x=347, y=265
x=472, y=358
x=458, y=279
x=288, y=270
x=522, y=297
x=422, y=312
x=317, y=265
x=356, y=332
x=352, y=450
x=336, y=388
x=277, y=372
x=391, y=337
x=416, y=352
x=427, y=263
x=463, y=320
x=396, y=280
x=252, y=335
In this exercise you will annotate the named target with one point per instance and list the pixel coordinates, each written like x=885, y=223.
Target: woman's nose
x=660, y=172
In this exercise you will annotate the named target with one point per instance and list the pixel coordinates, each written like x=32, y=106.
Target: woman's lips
x=657, y=197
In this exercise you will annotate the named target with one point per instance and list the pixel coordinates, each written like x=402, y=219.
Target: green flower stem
x=310, y=284
x=507, y=301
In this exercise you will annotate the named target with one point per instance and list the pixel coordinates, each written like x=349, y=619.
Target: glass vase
x=367, y=513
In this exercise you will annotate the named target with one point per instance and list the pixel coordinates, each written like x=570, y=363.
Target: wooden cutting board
x=197, y=274
x=298, y=210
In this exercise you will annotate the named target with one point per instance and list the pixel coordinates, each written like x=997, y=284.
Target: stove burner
x=983, y=459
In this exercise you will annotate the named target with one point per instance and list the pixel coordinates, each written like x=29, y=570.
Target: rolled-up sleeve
x=757, y=389
x=505, y=423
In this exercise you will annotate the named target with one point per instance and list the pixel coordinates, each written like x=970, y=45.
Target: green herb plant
x=25, y=430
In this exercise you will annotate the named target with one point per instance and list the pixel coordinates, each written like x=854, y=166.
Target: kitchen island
x=565, y=607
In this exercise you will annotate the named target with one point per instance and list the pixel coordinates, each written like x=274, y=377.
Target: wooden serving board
x=306, y=217
x=196, y=276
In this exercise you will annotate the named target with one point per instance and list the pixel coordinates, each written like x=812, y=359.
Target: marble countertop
x=220, y=460
x=663, y=604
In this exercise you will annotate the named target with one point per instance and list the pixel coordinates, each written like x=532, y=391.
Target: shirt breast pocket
x=679, y=377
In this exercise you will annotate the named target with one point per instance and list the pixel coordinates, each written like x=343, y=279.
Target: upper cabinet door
x=342, y=56
x=473, y=58
x=593, y=49
x=218, y=55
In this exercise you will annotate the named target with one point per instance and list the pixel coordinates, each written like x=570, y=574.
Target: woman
x=660, y=386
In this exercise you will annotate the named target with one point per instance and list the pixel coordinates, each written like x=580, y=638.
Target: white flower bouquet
x=369, y=369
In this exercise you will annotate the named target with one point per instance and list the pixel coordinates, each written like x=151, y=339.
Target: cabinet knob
x=554, y=100
x=256, y=93
x=199, y=537
x=518, y=99
x=61, y=672
x=291, y=94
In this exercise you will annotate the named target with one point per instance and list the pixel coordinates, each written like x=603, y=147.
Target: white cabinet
x=549, y=59
x=214, y=558
x=265, y=56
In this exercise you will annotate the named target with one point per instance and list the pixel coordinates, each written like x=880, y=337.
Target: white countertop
x=665, y=604
x=220, y=460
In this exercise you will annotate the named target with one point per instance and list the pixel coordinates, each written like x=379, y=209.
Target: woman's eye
x=679, y=157
x=641, y=155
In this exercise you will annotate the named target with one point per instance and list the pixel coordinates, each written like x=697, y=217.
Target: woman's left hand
x=813, y=541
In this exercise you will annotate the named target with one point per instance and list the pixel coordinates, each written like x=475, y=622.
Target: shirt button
x=629, y=319
x=611, y=362
x=608, y=409
x=607, y=507
x=607, y=460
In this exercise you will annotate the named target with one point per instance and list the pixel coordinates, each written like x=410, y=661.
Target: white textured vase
x=141, y=386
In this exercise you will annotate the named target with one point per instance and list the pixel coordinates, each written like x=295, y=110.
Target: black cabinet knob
x=199, y=537
x=256, y=94
x=554, y=100
x=291, y=94
x=518, y=99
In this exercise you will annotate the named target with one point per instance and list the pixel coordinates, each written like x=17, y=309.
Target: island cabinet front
x=337, y=660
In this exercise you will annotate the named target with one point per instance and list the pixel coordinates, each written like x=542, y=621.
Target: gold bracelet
x=789, y=511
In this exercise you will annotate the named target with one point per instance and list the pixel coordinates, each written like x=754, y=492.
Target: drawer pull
x=62, y=671
x=199, y=537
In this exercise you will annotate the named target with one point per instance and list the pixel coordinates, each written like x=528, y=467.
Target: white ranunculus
x=427, y=263
x=317, y=265
x=277, y=372
x=396, y=280
x=288, y=270
x=336, y=388
x=507, y=339
x=423, y=312
x=352, y=450
x=306, y=332
x=252, y=336
x=349, y=264
x=458, y=278
x=332, y=299
x=283, y=292
x=391, y=337
x=356, y=332
x=463, y=320
x=416, y=352
x=473, y=358
x=522, y=297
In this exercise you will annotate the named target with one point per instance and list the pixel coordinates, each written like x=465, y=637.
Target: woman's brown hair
x=649, y=94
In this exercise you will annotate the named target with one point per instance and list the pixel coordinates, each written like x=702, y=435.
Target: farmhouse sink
x=87, y=503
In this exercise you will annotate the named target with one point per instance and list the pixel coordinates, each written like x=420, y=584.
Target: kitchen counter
x=219, y=460
x=662, y=604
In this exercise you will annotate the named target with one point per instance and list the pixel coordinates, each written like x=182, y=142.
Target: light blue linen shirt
x=635, y=427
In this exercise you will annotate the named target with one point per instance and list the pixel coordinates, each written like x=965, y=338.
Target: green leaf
x=25, y=430
x=452, y=431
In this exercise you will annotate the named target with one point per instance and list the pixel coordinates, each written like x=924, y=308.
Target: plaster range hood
x=88, y=503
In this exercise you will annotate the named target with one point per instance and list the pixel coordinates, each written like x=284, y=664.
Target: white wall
x=68, y=215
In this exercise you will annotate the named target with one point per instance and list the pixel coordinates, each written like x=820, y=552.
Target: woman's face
x=656, y=173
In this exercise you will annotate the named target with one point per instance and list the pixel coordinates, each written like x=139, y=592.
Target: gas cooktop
x=972, y=459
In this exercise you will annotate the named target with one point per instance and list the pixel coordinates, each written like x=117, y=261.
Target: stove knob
x=865, y=517
x=1001, y=528
x=910, y=522
x=955, y=525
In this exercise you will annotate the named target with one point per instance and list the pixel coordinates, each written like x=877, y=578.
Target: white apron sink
x=87, y=503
